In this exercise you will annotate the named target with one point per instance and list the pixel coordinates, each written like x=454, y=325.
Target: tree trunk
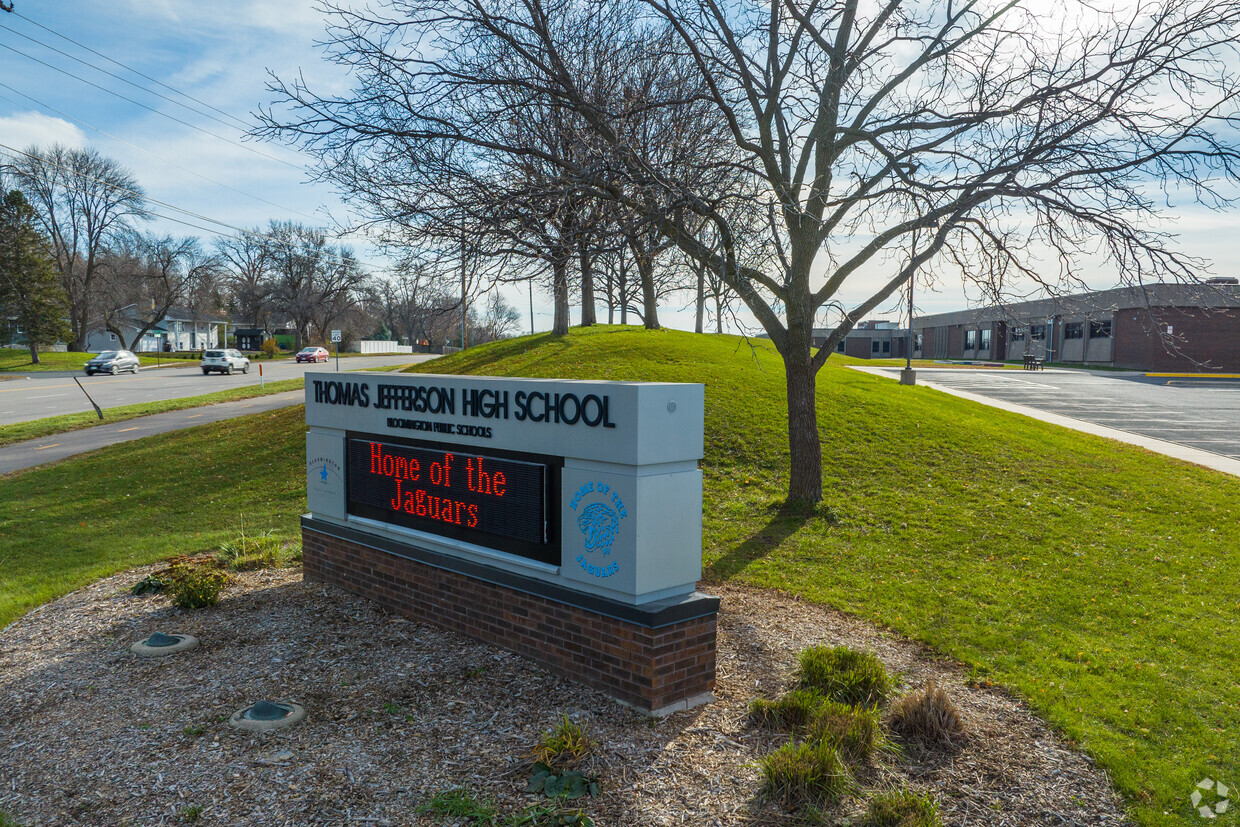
x=559, y=269
x=805, y=479
x=719, y=313
x=587, y=282
x=650, y=303
x=34, y=354
x=622, y=289
x=701, y=298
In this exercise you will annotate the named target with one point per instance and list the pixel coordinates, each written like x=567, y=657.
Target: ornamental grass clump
x=845, y=675
x=563, y=746
x=794, y=710
x=854, y=732
x=927, y=716
x=260, y=551
x=806, y=774
x=901, y=809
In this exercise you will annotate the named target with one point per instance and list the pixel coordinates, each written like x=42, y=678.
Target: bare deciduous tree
x=83, y=201
x=882, y=137
x=247, y=276
x=315, y=282
x=145, y=275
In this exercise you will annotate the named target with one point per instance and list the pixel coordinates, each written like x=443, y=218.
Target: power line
x=239, y=230
x=51, y=108
x=237, y=122
x=123, y=66
x=151, y=108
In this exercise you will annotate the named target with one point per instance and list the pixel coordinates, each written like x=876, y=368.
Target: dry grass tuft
x=928, y=716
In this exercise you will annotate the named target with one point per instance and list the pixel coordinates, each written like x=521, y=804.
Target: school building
x=1157, y=328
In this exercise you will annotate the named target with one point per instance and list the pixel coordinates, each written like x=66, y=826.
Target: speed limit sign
x=335, y=335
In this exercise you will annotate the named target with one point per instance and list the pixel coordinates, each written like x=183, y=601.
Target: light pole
x=908, y=376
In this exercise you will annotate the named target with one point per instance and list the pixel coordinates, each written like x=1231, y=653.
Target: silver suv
x=224, y=361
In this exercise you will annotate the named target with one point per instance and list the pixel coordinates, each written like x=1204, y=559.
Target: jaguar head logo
x=599, y=524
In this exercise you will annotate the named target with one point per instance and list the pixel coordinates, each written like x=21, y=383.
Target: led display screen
x=495, y=502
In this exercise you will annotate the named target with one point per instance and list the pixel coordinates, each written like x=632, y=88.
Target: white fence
x=373, y=346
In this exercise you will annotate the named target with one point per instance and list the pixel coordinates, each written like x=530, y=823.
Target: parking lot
x=1200, y=413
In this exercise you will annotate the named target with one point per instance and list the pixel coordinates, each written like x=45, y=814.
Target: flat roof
x=1213, y=296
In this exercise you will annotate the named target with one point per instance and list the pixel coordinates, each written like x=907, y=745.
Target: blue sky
x=220, y=52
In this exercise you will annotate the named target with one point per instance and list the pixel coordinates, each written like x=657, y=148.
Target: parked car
x=224, y=361
x=313, y=354
x=113, y=362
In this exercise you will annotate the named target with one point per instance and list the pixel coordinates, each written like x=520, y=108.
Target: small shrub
x=901, y=809
x=794, y=710
x=150, y=584
x=191, y=813
x=807, y=774
x=854, y=733
x=460, y=803
x=271, y=348
x=568, y=784
x=929, y=717
x=843, y=674
x=562, y=747
x=194, y=585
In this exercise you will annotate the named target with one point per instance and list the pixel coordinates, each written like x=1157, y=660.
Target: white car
x=224, y=361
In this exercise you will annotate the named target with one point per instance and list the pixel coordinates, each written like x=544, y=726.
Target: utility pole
x=531, y=305
x=464, y=306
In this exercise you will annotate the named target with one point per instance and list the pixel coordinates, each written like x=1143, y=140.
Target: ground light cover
x=1089, y=577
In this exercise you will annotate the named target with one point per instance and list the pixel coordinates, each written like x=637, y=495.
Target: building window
x=970, y=340
x=887, y=346
x=986, y=339
x=1074, y=330
x=1038, y=332
x=839, y=346
x=1018, y=334
x=1100, y=330
x=874, y=346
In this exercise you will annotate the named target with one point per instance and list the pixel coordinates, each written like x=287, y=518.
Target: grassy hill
x=1091, y=578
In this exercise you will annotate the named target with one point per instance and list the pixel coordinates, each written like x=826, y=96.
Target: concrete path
x=22, y=455
x=1197, y=456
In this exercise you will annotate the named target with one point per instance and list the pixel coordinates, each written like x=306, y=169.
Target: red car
x=312, y=354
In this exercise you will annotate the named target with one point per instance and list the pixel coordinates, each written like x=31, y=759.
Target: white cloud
x=33, y=129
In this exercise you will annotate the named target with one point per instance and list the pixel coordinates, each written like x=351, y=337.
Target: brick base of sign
x=658, y=659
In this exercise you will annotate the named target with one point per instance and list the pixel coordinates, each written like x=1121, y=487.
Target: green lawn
x=47, y=426
x=1092, y=578
x=18, y=361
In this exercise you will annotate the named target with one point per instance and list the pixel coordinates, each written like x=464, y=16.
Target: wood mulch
x=397, y=710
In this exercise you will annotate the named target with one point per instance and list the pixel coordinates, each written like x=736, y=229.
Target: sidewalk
x=34, y=452
x=1194, y=455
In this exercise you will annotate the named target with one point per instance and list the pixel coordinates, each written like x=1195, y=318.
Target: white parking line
x=47, y=396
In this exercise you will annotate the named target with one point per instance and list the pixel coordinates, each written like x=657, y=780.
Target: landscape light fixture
x=160, y=644
x=266, y=715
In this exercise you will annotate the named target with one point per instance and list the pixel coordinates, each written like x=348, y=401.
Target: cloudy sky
x=190, y=154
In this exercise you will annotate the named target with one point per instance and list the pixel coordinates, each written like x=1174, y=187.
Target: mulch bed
x=396, y=711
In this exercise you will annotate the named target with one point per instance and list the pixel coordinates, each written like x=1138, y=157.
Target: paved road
x=41, y=396
x=34, y=452
x=1202, y=414
x=21, y=455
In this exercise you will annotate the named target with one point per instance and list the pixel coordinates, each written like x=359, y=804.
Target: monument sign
x=561, y=519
